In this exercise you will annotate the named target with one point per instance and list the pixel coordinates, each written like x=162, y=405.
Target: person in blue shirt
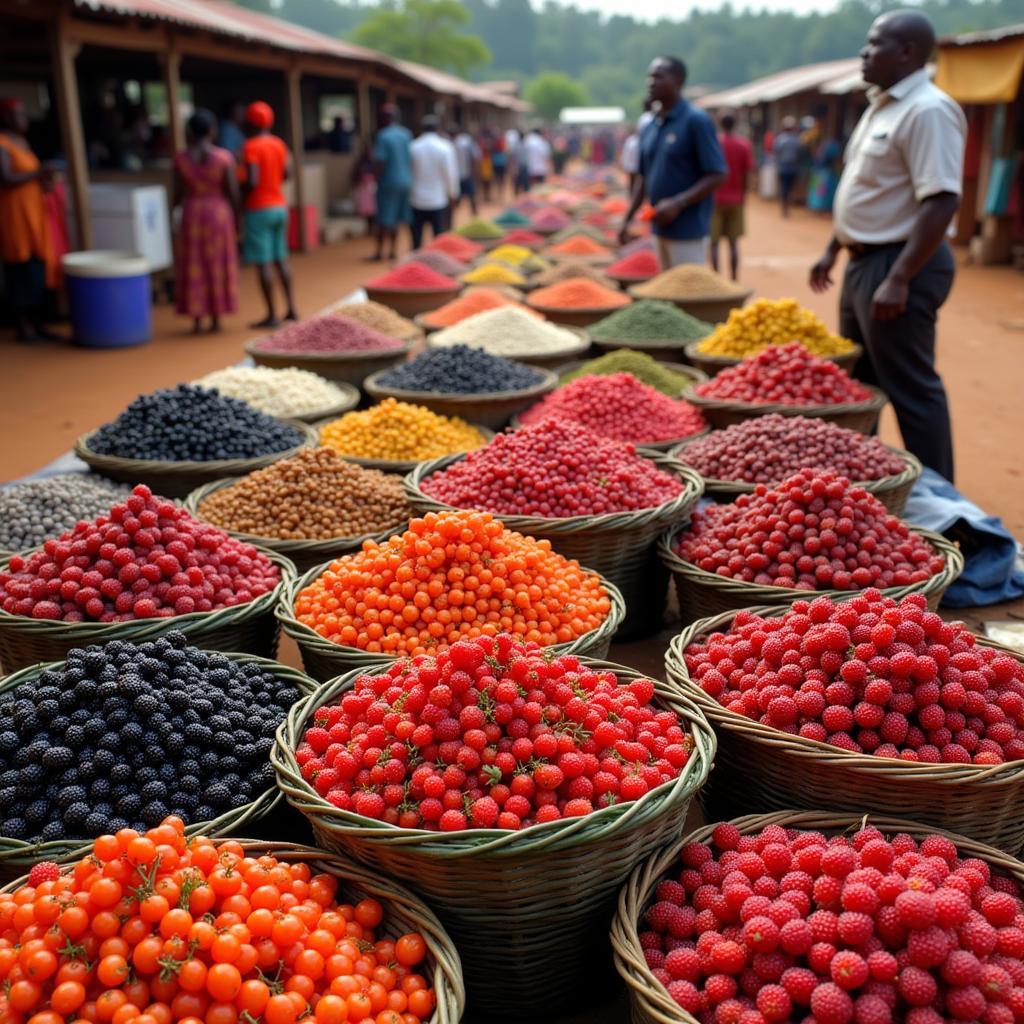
x=681, y=165
x=393, y=161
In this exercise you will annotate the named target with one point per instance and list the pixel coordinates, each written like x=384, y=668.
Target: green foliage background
x=607, y=56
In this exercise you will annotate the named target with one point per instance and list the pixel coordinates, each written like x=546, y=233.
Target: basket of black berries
x=123, y=735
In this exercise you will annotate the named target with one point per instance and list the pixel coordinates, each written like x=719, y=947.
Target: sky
x=653, y=9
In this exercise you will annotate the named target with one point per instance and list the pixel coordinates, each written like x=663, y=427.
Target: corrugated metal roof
x=992, y=35
x=241, y=23
x=782, y=84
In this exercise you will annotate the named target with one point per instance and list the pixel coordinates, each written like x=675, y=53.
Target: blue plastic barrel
x=109, y=298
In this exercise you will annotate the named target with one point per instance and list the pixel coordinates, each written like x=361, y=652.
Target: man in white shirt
x=897, y=195
x=537, y=153
x=468, y=153
x=629, y=158
x=435, y=180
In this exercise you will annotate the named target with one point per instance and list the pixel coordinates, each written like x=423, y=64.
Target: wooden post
x=363, y=108
x=171, y=64
x=69, y=114
x=298, y=142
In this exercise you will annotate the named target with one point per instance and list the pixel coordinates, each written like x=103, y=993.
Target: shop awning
x=988, y=72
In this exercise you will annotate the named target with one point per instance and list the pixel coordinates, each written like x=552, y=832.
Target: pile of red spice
x=620, y=407
x=579, y=245
x=414, y=276
x=597, y=220
x=455, y=246
x=522, y=236
x=615, y=205
x=555, y=468
x=577, y=293
x=641, y=265
x=437, y=260
x=550, y=219
x=479, y=300
x=787, y=375
x=815, y=531
x=334, y=333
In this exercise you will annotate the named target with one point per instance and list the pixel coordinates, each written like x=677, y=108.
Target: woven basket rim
x=667, y=511
x=548, y=381
x=195, y=498
x=67, y=849
x=630, y=278
x=306, y=636
x=225, y=466
x=693, y=352
x=685, y=369
x=536, y=838
x=581, y=345
x=814, y=750
x=707, y=300
x=252, y=348
x=911, y=471
x=657, y=1004
x=668, y=344
x=101, y=632
x=372, y=290
x=594, y=259
x=410, y=907
x=950, y=552
x=582, y=310
x=875, y=403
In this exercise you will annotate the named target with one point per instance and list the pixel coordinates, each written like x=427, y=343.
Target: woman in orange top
x=25, y=244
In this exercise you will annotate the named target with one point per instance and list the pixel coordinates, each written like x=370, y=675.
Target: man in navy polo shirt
x=681, y=165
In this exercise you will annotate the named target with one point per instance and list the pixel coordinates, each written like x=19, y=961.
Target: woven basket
x=554, y=360
x=713, y=365
x=596, y=259
x=303, y=554
x=528, y=910
x=626, y=281
x=402, y=466
x=650, y=1003
x=250, y=628
x=576, y=317
x=17, y=856
x=403, y=913
x=324, y=660
x=860, y=416
x=891, y=491
x=703, y=593
x=343, y=405
x=406, y=302
x=671, y=347
x=711, y=311
x=176, y=479
x=339, y=367
x=619, y=545
x=491, y=409
x=764, y=768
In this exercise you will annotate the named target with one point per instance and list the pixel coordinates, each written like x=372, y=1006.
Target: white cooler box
x=132, y=218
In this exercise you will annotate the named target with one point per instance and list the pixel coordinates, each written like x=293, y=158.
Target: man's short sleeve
x=933, y=147
x=380, y=149
x=710, y=157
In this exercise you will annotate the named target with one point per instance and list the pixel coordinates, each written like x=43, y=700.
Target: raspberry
x=871, y=1009
x=774, y=1003
x=848, y=969
x=966, y=1003
x=683, y=964
x=917, y=986
x=761, y=934
x=799, y=983
x=831, y=1005
x=916, y=909
x=44, y=871
x=686, y=995
x=728, y=957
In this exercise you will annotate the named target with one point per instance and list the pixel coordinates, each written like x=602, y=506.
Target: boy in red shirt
x=727, y=217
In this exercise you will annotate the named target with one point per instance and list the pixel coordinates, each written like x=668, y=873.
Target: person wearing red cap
x=267, y=164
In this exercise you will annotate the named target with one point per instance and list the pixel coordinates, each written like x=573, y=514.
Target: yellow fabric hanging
x=986, y=73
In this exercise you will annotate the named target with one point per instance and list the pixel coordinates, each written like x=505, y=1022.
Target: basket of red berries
x=825, y=917
x=599, y=501
x=870, y=702
x=513, y=789
x=771, y=448
x=790, y=381
x=814, y=533
x=144, y=568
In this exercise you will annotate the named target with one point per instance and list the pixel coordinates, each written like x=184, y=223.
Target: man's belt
x=859, y=249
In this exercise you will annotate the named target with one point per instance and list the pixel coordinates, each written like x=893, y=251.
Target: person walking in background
x=267, y=165
x=486, y=144
x=206, y=188
x=435, y=180
x=520, y=166
x=231, y=133
x=26, y=245
x=364, y=185
x=391, y=153
x=537, y=154
x=896, y=198
x=629, y=158
x=468, y=154
x=786, y=150
x=499, y=160
x=727, y=218
x=826, y=164
x=681, y=165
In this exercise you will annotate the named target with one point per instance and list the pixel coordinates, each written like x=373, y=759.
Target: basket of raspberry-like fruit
x=790, y=381
x=834, y=918
x=599, y=501
x=815, y=533
x=869, y=703
x=144, y=568
x=513, y=789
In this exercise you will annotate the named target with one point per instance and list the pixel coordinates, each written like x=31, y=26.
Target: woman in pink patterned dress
x=206, y=186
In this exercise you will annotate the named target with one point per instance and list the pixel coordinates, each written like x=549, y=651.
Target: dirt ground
x=54, y=393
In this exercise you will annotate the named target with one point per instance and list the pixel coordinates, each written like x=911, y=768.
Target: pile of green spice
x=479, y=229
x=642, y=366
x=651, y=321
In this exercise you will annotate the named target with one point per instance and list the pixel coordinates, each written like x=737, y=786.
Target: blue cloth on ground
x=993, y=571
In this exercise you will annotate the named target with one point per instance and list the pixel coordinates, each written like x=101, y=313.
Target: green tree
x=551, y=91
x=426, y=31
x=610, y=85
